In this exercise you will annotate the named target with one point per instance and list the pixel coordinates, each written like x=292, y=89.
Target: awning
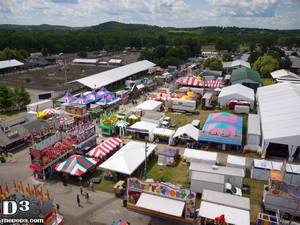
x=161, y=204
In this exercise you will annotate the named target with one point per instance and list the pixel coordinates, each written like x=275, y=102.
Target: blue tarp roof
x=223, y=123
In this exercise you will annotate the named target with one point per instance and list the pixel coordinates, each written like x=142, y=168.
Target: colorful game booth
x=193, y=81
x=45, y=154
x=161, y=200
x=222, y=128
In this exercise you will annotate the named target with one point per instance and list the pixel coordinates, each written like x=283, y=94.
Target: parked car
x=229, y=188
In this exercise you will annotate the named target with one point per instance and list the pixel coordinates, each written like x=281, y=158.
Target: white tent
x=279, y=111
x=128, y=158
x=161, y=204
x=162, y=132
x=236, y=161
x=142, y=127
x=236, y=64
x=85, y=61
x=187, y=130
x=149, y=105
x=200, y=156
x=232, y=215
x=236, y=92
x=285, y=76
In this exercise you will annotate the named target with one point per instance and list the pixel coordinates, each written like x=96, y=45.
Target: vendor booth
x=47, y=153
x=168, y=157
x=149, y=105
x=261, y=169
x=223, y=128
x=187, y=133
x=162, y=134
x=128, y=158
x=193, y=81
x=201, y=156
x=162, y=200
x=141, y=129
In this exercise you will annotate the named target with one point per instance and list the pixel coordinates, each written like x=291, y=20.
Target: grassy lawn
x=267, y=81
x=106, y=186
x=256, y=194
x=175, y=175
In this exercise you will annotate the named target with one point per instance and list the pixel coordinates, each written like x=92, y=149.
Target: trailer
x=181, y=105
x=201, y=181
x=40, y=105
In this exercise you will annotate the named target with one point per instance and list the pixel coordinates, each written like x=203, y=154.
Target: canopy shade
x=187, y=130
x=128, y=158
x=105, y=147
x=76, y=165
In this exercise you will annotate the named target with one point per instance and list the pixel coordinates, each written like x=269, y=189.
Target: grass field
x=175, y=175
x=106, y=186
x=267, y=81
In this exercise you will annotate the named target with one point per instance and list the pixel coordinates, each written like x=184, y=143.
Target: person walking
x=78, y=200
x=87, y=196
x=57, y=207
x=81, y=190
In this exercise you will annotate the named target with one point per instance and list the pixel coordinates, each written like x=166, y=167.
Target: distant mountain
x=42, y=27
x=113, y=26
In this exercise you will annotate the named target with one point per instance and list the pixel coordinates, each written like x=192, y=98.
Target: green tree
x=6, y=98
x=253, y=57
x=227, y=57
x=21, y=97
x=252, y=46
x=213, y=63
x=265, y=65
x=285, y=63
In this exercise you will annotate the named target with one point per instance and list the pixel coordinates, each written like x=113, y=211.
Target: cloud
x=245, y=8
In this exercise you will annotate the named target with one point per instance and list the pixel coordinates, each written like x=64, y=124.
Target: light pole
x=146, y=147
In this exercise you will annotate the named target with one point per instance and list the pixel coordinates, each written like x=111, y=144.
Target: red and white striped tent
x=196, y=82
x=49, y=111
x=105, y=147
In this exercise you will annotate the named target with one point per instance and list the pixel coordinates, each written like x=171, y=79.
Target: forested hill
x=116, y=36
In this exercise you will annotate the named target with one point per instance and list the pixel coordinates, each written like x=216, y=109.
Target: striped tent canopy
x=105, y=147
x=196, y=82
x=49, y=111
x=76, y=165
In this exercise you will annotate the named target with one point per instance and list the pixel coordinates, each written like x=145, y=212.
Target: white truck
x=181, y=105
x=282, y=201
x=40, y=105
x=213, y=182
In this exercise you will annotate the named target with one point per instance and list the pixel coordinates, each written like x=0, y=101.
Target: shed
x=234, y=176
x=200, y=156
x=187, y=131
x=292, y=175
x=247, y=77
x=201, y=181
x=168, y=156
x=226, y=199
x=150, y=105
x=236, y=162
x=261, y=168
x=253, y=132
x=236, y=92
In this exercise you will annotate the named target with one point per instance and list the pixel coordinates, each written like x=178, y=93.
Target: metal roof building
x=111, y=76
x=5, y=64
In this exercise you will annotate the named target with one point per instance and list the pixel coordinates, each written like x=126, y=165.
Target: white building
x=229, y=66
x=278, y=106
x=236, y=92
x=285, y=76
x=85, y=61
x=253, y=132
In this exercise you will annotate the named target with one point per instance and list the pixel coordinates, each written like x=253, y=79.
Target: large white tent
x=10, y=63
x=279, y=111
x=128, y=158
x=236, y=92
x=187, y=131
x=111, y=76
x=235, y=64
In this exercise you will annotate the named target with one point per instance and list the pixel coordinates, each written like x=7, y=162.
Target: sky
x=273, y=14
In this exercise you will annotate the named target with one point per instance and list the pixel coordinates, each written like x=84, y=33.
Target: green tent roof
x=245, y=73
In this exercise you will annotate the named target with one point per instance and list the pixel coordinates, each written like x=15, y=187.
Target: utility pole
x=146, y=147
